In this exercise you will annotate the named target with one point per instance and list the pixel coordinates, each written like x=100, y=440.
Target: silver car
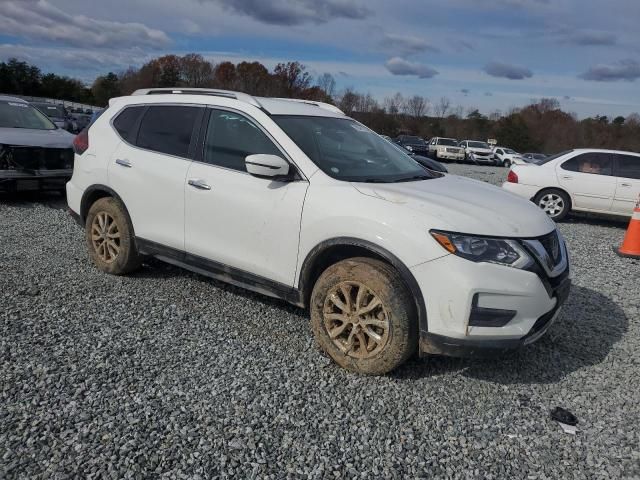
x=34, y=153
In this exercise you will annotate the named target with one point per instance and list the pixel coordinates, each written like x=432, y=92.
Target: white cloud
x=39, y=20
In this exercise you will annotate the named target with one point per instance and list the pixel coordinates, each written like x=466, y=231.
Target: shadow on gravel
x=28, y=199
x=584, y=334
x=597, y=220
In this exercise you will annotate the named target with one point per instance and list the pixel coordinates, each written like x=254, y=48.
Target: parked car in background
x=298, y=201
x=507, y=157
x=587, y=180
x=414, y=144
x=534, y=157
x=426, y=162
x=81, y=121
x=57, y=113
x=34, y=153
x=477, y=152
x=445, y=149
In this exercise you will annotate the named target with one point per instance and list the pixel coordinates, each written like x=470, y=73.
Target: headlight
x=484, y=249
x=409, y=147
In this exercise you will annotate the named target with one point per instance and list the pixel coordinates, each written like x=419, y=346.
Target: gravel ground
x=167, y=374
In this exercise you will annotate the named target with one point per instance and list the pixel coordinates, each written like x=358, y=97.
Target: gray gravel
x=167, y=374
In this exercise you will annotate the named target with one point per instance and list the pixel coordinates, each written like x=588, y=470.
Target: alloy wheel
x=105, y=237
x=356, y=320
x=552, y=204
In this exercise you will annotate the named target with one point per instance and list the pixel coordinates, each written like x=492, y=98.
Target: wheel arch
x=333, y=250
x=94, y=193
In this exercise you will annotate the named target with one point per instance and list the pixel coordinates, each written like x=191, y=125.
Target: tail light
x=81, y=142
x=512, y=177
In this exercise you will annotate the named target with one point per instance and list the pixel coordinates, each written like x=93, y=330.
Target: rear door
x=588, y=177
x=627, y=172
x=149, y=168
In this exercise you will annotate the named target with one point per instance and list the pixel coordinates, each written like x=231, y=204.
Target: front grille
x=453, y=150
x=481, y=154
x=35, y=158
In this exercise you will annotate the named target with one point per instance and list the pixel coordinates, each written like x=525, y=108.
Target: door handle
x=625, y=184
x=124, y=163
x=199, y=184
x=567, y=177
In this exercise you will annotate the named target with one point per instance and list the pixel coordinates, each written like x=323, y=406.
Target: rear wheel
x=555, y=203
x=363, y=316
x=109, y=237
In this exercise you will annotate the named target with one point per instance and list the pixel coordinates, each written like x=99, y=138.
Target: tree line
x=540, y=126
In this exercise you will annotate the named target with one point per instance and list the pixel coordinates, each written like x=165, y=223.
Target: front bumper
x=449, y=286
x=15, y=180
x=449, y=155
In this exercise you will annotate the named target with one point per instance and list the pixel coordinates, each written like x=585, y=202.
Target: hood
x=36, y=138
x=480, y=150
x=463, y=205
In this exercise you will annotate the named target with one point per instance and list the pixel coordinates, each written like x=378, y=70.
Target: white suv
x=445, y=149
x=295, y=200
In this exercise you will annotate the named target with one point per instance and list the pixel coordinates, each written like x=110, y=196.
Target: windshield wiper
x=373, y=180
x=415, y=177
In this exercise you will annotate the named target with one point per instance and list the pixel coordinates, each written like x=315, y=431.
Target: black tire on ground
x=393, y=321
x=561, y=199
x=109, y=237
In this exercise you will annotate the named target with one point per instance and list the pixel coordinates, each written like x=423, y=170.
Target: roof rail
x=323, y=105
x=243, y=97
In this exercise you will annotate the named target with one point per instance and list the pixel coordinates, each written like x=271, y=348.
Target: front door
x=233, y=218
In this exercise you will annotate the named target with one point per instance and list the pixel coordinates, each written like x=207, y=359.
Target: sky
x=485, y=54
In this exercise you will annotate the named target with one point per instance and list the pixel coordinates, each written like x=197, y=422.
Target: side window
x=628, y=166
x=125, y=122
x=167, y=129
x=592, y=162
x=231, y=138
x=499, y=152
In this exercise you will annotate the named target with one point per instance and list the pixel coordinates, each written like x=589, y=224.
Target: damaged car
x=34, y=153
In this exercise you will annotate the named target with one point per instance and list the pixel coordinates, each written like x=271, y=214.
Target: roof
x=274, y=106
x=7, y=98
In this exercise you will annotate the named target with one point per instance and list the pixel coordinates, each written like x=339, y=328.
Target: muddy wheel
x=363, y=316
x=109, y=237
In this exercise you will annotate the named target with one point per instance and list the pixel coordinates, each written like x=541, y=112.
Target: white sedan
x=507, y=157
x=587, y=180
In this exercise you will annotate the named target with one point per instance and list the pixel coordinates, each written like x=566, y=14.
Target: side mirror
x=263, y=165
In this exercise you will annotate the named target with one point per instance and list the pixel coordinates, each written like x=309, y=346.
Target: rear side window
x=167, y=129
x=231, y=138
x=593, y=162
x=628, y=166
x=125, y=122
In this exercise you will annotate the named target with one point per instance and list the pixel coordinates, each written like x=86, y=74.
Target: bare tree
x=417, y=106
x=442, y=107
x=327, y=84
x=394, y=105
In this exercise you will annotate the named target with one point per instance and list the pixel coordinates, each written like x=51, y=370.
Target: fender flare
x=405, y=274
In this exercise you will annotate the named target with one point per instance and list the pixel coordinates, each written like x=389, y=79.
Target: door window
x=231, y=137
x=168, y=129
x=125, y=122
x=628, y=166
x=593, y=162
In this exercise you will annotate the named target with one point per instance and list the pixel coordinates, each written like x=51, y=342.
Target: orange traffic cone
x=631, y=244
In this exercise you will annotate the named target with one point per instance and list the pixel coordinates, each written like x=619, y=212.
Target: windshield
x=50, y=110
x=479, y=145
x=346, y=150
x=23, y=115
x=450, y=142
x=552, y=157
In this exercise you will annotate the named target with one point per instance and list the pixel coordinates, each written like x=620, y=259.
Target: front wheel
x=363, y=316
x=554, y=203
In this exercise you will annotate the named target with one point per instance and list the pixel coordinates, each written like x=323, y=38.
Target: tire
x=555, y=203
x=506, y=163
x=366, y=281
x=109, y=237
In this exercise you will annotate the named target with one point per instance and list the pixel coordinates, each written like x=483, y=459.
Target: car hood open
x=464, y=205
x=36, y=138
